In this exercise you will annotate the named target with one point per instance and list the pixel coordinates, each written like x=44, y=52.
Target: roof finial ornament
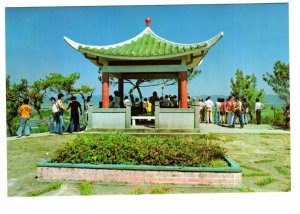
x=148, y=21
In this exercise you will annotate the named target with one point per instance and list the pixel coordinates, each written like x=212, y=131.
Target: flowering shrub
x=146, y=150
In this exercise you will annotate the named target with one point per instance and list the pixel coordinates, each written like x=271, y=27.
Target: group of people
x=228, y=111
x=56, y=119
x=146, y=105
x=58, y=112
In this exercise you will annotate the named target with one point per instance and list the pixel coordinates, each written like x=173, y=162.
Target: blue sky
x=255, y=36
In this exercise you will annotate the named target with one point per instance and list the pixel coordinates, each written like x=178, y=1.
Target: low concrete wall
x=165, y=118
x=206, y=176
x=172, y=118
x=109, y=117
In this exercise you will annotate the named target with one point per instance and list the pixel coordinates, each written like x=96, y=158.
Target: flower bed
x=192, y=151
x=130, y=168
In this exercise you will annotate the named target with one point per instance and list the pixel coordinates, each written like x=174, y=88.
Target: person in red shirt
x=230, y=113
x=25, y=111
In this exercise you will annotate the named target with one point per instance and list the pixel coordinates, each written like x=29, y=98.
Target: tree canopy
x=245, y=86
x=37, y=91
x=280, y=80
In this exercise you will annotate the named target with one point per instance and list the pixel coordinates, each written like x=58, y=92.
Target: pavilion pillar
x=183, y=89
x=121, y=90
x=179, y=98
x=105, y=90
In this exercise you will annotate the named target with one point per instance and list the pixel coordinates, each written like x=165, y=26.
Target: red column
x=105, y=90
x=121, y=90
x=179, y=93
x=183, y=89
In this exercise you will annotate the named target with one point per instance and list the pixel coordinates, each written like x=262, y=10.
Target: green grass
x=264, y=161
x=250, y=167
x=284, y=170
x=218, y=163
x=137, y=191
x=246, y=189
x=253, y=174
x=265, y=181
x=265, y=143
x=85, y=188
x=52, y=187
x=160, y=190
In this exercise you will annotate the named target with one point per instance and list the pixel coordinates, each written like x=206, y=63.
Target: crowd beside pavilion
x=222, y=112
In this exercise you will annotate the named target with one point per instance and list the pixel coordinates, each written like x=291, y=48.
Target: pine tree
x=280, y=81
x=245, y=86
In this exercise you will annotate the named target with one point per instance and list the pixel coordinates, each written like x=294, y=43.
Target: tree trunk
x=41, y=117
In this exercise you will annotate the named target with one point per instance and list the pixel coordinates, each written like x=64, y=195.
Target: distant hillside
x=273, y=100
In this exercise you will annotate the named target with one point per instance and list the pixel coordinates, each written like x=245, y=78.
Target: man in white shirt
x=209, y=105
x=54, y=116
x=258, y=107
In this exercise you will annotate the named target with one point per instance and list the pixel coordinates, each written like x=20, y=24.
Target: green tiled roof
x=146, y=46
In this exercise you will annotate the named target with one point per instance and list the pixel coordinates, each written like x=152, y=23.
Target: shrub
x=159, y=190
x=128, y=149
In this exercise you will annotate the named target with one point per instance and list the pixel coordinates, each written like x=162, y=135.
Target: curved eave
x=198, y=51
x=194, y=52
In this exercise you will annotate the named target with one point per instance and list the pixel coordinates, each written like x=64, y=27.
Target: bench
x=141, y=117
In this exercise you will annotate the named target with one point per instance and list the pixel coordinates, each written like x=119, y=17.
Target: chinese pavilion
x=146, y=56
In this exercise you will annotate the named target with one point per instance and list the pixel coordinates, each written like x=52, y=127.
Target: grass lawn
x=265, y=159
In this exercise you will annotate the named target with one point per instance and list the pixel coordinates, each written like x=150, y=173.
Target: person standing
x=229, y=108
x=86, y=111
x=174, y=102
x=149, y=106
x=166, y=103
x=202, y=110
x=117, y=100
x=61, y=111
x=209, y=106
x=245, y=109
x=111, y=101
x=217, y=112
x=54, y=116
x=222, y=110
x=74, y=119
x=25, y=111
x=154, y=98
x=126, y=101
x=237, y=109
x=258, y=107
